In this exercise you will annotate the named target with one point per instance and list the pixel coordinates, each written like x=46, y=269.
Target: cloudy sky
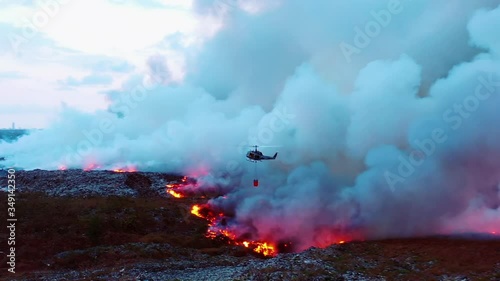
x=67, y=53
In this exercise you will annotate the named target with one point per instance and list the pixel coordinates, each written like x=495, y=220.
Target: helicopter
x=255, y=155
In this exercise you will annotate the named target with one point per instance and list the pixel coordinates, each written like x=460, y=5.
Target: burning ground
x=88, y=225
x=396, y=139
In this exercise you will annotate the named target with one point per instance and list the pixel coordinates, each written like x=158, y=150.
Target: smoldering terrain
x=104, y=225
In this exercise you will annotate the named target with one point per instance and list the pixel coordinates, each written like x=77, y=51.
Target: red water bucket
x=255, y=182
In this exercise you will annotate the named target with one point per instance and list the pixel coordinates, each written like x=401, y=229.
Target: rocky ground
x=102, y=225
x=96, y=183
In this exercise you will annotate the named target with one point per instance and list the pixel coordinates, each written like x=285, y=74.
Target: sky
x=385, y=111
x=67, y=53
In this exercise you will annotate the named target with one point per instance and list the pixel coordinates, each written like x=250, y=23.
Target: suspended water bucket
x=255, y=182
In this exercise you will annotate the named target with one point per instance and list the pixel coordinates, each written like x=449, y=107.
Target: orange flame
x=175, y=194
x=265, y=249
x=195, y=210
x=213, y=218
x=125, y=170
x=91, y=167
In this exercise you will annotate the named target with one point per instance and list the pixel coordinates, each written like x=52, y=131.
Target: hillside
x=102, y=225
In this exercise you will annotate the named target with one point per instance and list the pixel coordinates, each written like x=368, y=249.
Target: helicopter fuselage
x=255, y=155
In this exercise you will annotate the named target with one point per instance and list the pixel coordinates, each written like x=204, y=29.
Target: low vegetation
x=49, y=226
x=105, y=237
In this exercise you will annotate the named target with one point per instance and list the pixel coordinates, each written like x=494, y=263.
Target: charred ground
x=101, y=225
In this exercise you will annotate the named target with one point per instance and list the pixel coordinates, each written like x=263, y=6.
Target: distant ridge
x=11, y=135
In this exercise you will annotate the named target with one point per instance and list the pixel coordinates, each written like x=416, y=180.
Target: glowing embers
x=204, y=212
x=125, y=170
x=265, y=249
x=174, y=193
x=174, y=188
x=91, y=167
x=218, y=227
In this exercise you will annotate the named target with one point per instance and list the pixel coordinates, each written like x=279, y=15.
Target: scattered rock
x=141, y=183
x=79, y=183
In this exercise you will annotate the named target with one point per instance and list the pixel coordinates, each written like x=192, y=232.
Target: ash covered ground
x=102, y=225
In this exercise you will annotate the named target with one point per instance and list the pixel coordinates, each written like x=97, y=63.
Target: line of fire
x=220, y=224
x=218, y=227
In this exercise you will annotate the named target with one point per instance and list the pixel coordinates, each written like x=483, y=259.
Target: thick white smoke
x=385, y=110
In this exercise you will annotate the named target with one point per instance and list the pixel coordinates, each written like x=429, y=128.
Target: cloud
x=154, y=4
x=111, y=65
x=482, y=27
x=89, y=80
x=10, y=75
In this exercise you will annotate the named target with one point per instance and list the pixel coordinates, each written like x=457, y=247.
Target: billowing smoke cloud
x=385, y=112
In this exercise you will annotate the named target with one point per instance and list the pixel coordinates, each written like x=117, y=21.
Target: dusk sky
x=80, y=49
x=69, y=53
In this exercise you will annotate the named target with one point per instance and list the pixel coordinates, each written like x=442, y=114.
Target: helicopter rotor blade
x=263, y=146
x=268, y=146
